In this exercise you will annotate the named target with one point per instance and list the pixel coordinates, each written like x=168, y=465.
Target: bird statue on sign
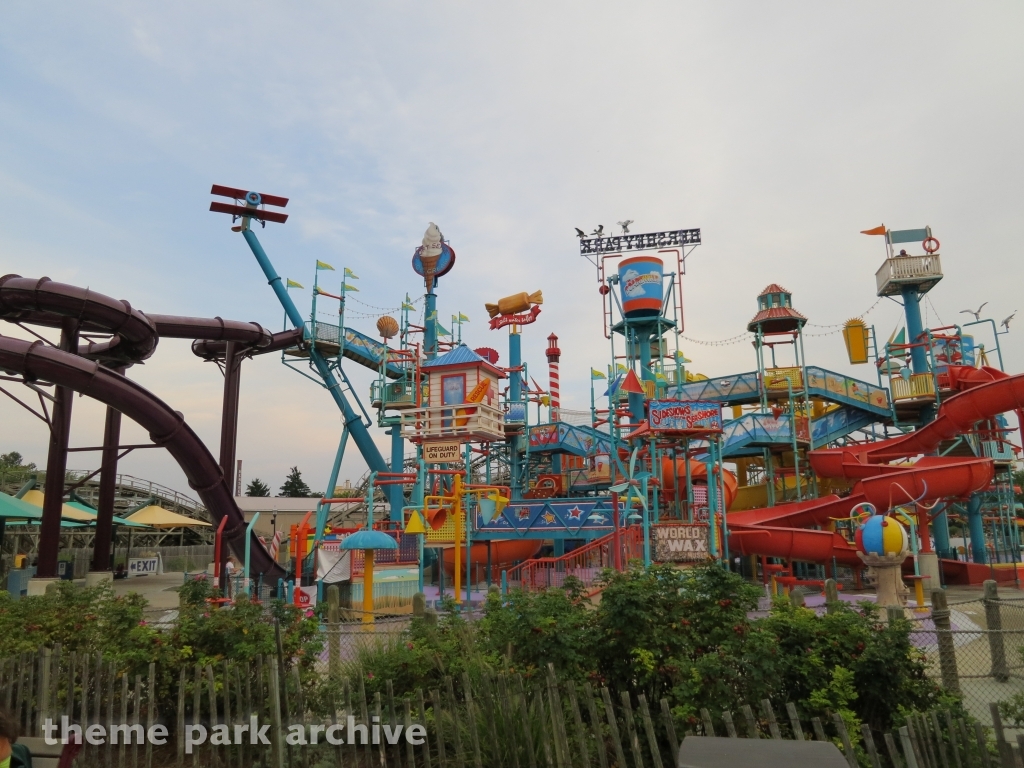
x=580, y=233
x=625, y=226
x=599, y=231
x=975, y=312
x=1006, y=322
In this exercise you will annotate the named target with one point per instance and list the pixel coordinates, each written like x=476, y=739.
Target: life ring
x=928, y=240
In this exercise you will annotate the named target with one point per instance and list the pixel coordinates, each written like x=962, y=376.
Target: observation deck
x=922, y=272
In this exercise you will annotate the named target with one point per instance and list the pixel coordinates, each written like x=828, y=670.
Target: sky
x=780, y=130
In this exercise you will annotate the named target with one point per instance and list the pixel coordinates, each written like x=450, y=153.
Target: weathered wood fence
x=497, y=721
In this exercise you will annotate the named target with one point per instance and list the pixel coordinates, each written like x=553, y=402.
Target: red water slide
x=782, y=531
x=133, y=338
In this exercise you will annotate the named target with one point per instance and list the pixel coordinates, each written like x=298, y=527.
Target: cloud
x=780, y=131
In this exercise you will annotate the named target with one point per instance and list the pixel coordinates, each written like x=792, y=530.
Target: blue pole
x=976, y=526
x=353, y=422
x=322, y=510
x=515, y=360
x=915, y=327
x=397, y=500
x=430, y=327
x=940, y=530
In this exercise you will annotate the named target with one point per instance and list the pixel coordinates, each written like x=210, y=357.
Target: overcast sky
x=779, y=129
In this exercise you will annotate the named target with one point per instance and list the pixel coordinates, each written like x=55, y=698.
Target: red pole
x=616, y=536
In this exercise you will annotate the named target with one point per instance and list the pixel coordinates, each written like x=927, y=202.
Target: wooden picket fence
x=498, y=721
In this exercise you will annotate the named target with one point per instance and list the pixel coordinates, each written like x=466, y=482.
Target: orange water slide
x=782, y=531
x=504, y=555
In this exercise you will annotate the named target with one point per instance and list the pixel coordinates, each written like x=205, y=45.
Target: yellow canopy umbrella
x=158, y=517
x=35, y=497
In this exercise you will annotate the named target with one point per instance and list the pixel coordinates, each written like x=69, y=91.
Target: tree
x=15, y=460
x=257, y=488
x=294, y=486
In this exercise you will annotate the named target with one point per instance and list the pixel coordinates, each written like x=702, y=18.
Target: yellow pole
x=919, y=594
x=367, y=586
x=457, y=510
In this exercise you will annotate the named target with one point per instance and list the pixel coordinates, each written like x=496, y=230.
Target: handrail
x=585, y=564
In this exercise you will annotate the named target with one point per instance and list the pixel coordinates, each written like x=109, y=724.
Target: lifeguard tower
x=461, y=402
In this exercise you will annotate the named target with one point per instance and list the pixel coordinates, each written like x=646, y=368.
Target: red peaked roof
x=773, y=288
x=777, y=320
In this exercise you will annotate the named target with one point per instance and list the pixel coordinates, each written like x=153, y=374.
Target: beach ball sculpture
x=882, y=536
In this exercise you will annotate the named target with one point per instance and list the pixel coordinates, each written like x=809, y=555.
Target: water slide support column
x=108, y=490
x=56, y=463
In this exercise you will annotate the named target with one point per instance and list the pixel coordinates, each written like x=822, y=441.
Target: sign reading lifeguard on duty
x=685, y=416
x=448, y=452
x=680, y=543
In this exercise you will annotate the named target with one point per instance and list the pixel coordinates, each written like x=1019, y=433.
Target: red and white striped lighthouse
x=553, y=354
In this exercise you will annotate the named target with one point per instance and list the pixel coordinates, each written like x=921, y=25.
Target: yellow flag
x=348, y=287
x=407, y=305
x=323, y=265
x=350, y=273
x=463, y=318
x=596, y=374
x=289, y=283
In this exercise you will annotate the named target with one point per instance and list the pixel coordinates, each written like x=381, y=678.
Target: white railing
x=468, y=420
x=907, y=269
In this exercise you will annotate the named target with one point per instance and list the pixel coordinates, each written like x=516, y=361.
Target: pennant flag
x=289, y=283
x=620, y=368
x=350, y=273
x=463, y=318
x=441, y=330
x=407, y=305
x=596, y=374
x=899, y=338
x=874, y=230
x=681, y=358
x=632, y=384
x=347, y=287
x=325, y=265
x=613, y=387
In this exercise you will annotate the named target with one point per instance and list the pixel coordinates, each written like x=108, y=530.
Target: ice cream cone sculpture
x=430, y=253
x=511, y=305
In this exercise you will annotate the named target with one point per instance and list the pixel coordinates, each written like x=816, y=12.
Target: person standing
x=12, y=754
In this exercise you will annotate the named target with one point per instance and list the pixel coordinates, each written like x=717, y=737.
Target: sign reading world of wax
x=680, y=543
x=683, y=416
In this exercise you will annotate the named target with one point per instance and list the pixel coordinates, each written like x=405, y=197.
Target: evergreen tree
x=294, y=486
x=257, y=488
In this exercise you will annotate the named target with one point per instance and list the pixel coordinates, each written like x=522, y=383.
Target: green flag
x=441, y=330
x=324, y=265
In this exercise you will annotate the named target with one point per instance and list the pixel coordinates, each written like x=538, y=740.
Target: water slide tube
x=504, y=555
x=133, y=338
x=782, y=531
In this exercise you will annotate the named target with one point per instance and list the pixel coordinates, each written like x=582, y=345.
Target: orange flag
x=876, y=231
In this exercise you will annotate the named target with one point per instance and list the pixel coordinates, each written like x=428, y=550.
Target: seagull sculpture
x=1006, y=322
x=599, y=231
x=625, y=226
x=975, y=312
x=580, y=233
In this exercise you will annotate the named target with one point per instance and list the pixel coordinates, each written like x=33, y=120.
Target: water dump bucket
x=640, y=284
